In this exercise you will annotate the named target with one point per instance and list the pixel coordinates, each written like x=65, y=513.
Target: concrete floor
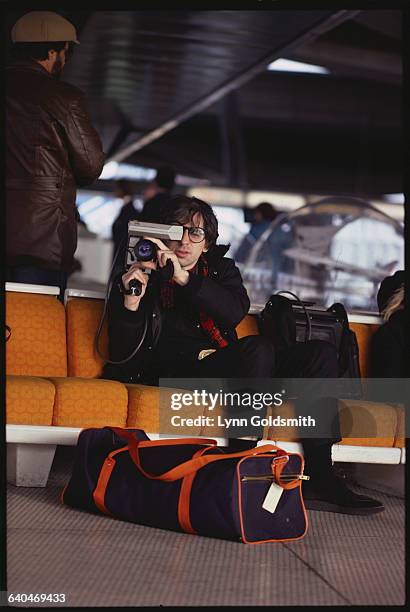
x=98, y=561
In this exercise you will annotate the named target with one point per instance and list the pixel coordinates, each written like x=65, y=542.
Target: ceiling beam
x=388, y=22
x=350, y=60
x=324, y=25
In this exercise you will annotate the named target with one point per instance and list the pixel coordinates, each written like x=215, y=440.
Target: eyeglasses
x=196, y=234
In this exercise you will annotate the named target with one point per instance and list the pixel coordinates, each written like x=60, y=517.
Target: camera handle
x=135, y=287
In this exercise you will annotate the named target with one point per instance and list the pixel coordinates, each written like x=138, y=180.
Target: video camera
x=143, y=249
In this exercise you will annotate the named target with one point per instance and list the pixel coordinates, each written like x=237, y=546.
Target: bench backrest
x=37, y=345
x=83, y=316
x=364, y=333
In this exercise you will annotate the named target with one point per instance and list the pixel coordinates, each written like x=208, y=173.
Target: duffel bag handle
x=130, y=437
x=192, y=465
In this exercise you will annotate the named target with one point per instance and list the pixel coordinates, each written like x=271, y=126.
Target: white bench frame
x=31, y=449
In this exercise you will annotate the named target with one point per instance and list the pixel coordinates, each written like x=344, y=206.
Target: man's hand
x=164, y=254
x=132, y=302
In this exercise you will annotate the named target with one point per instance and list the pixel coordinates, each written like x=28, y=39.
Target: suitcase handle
x=192, y=465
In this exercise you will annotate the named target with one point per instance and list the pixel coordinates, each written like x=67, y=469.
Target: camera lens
x=145, y=250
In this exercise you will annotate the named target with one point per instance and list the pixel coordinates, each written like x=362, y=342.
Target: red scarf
x=207, y=323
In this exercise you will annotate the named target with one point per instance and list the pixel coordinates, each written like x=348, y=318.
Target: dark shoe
x=237, y=445
x=332, y=495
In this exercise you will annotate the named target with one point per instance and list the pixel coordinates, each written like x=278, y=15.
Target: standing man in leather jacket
x=51, y=148
x=186, y=329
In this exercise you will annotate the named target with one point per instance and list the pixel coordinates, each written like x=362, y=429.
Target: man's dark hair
x=165, y=177
x=182, y=209
x=37, y=50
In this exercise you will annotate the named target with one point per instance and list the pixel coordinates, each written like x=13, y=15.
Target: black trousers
x=254, y=357
x=35, y=275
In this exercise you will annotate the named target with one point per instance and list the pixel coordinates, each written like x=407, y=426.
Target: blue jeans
x=34, y=275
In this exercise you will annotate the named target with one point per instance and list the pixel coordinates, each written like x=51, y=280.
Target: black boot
x=325, y=491
x=333, y=495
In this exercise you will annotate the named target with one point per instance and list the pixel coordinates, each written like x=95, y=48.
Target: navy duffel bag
x=189, y=485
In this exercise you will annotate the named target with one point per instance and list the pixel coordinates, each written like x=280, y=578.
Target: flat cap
x=43, y=26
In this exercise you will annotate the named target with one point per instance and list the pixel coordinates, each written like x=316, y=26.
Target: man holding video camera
x=185, y=326
x=196, y=310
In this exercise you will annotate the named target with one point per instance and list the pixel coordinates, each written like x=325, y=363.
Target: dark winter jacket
x=51, y=148
x=174, y=336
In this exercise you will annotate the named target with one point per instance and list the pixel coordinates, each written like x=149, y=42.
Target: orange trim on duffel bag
x=103, y=480
x=298, y=484
x=175, y=442
x=184, y=518
x=62, y=494
x=128, y=435
x=277, y=469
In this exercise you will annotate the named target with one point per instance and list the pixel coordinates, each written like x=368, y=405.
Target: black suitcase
x=287, y=321
x=317, y=324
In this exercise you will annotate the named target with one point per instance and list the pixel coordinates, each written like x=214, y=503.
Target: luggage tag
x=272, y=498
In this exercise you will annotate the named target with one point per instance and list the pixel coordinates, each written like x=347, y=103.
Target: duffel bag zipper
x=272, y=478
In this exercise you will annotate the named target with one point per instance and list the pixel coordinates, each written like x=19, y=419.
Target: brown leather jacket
x=51, y=149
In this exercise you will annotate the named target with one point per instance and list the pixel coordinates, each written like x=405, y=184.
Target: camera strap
x=104, y=314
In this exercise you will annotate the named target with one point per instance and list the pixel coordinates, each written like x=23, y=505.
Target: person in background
x=273, y=243
x=128, y=212
x=51, y=149
x=389, y=352
x=263, y=215
x=157, y=195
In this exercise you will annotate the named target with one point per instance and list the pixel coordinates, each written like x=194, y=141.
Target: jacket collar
x=216, y=253
x=30, y=65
